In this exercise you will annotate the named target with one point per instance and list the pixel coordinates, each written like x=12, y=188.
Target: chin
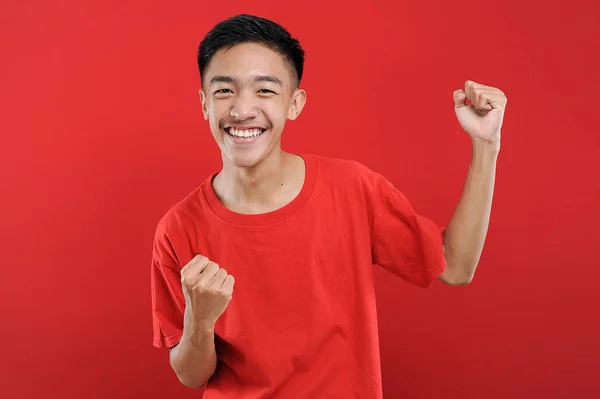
x=247, y=155
x=245, y=159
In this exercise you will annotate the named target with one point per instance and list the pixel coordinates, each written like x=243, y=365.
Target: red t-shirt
x=302, y=320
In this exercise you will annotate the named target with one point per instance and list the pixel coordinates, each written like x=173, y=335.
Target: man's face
x=249, y=93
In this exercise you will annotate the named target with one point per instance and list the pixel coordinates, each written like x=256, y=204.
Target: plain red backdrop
x=102, y=132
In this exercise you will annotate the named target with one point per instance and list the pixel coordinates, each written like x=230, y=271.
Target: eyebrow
x=224, y=79
x=268, y=78
x=260, y=78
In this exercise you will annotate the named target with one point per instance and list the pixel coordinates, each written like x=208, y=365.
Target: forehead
x=248, y=60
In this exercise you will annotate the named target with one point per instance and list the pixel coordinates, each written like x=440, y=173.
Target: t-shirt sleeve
x=404, y=243
x=168, y=302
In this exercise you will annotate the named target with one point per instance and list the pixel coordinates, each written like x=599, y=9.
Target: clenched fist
x=483, y=118
x=207, y=289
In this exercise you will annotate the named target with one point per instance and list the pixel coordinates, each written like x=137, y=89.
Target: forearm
x=467, y=229
x=194, y=359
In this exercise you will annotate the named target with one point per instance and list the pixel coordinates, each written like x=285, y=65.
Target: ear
x=203, y=102
x=298, y=102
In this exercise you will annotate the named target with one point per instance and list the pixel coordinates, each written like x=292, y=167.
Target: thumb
x=459, y=98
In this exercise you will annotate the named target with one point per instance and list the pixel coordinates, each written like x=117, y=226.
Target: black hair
x=246, y=28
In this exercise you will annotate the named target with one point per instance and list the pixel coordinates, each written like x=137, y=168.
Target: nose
x=243, y=107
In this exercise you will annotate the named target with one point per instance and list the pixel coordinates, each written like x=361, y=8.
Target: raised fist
x=207, y=289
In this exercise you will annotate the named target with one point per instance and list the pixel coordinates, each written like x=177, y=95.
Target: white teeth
x=245, y=133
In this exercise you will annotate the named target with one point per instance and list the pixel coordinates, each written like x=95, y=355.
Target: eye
x=266, y=91
x=223, y=91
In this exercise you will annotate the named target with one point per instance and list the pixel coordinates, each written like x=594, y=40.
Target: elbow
x=191, y=378
x=458, y=275
x=460, y=280
x=190, y=381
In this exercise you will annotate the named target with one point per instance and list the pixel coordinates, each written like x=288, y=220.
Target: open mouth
x=244, y=133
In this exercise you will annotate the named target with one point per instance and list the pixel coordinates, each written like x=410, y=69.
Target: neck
x=253, y=188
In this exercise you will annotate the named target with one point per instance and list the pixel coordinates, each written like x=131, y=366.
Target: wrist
x=194, y=326
x=200, y=327
x=198, y=332
x=485, y=149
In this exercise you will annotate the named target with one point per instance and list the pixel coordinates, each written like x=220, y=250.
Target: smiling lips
x=244, y=133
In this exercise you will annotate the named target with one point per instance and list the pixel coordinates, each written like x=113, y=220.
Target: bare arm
x=467, y=230
x=208, y=290
x=194, y=359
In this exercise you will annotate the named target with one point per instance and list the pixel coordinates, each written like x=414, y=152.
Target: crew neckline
x=277, y=215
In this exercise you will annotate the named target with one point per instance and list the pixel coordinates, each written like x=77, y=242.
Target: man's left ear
x=298, y=102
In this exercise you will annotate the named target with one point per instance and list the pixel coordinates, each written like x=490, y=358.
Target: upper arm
x=168, y=304
x=404, y=242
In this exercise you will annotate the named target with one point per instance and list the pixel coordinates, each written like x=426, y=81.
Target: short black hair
x=244, y=28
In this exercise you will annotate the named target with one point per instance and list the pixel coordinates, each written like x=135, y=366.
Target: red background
x=102, y=132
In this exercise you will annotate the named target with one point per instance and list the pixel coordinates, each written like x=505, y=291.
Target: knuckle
x=202, y=259
x=203, y=288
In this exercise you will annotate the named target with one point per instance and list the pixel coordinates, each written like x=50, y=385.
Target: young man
x=298, y=235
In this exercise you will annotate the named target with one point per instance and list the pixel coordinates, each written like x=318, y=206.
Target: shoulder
x=348, y=172
x=177, y=223
x=344, y=168
x=179, y=213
